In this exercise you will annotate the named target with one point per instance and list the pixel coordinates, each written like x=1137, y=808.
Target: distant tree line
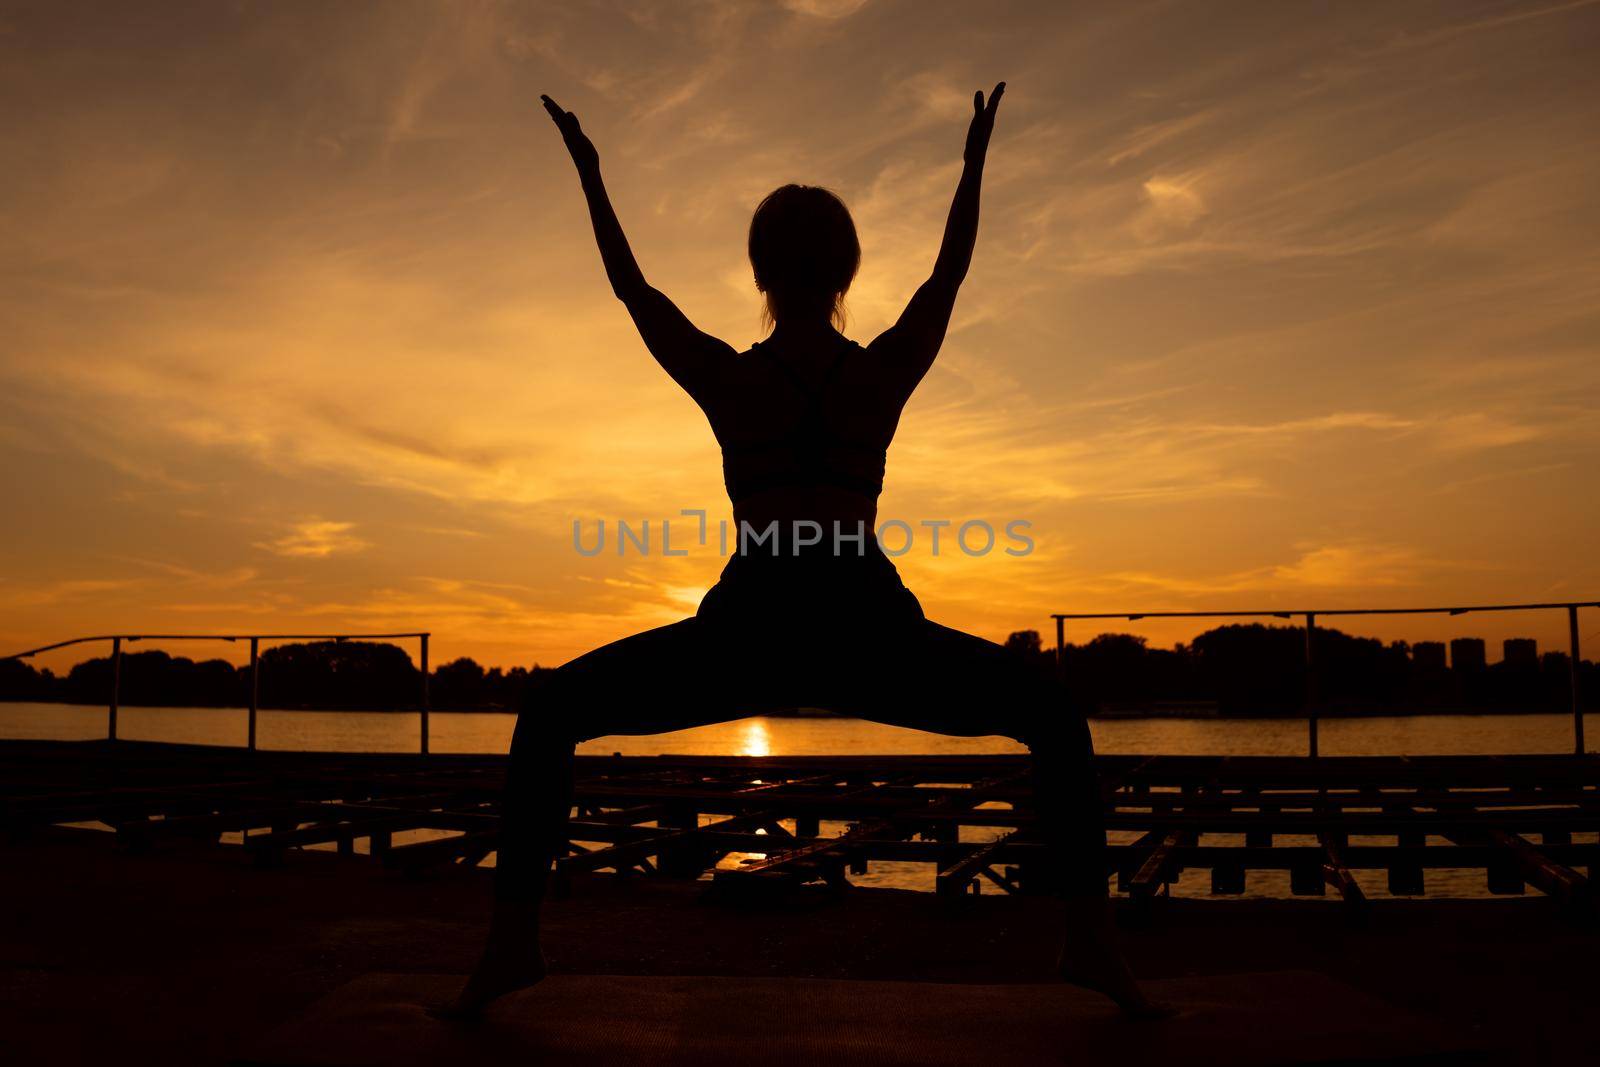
x=1237, y=670
x=321, y=674
x=1261, y=670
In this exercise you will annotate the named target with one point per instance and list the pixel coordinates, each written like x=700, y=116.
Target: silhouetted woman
x=811, y=615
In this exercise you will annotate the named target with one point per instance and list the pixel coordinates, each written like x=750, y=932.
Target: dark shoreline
x=1186, y=711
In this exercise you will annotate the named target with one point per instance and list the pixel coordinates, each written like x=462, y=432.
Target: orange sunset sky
x=1274, y=304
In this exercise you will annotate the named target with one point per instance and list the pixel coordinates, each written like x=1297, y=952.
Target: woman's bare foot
x=1090, y=959
x=1090, y=967
x=501, y=971
x=512, y=960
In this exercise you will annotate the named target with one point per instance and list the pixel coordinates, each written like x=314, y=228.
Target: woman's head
x=804, y=252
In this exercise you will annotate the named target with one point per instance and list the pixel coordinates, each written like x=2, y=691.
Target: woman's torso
x=805, y=431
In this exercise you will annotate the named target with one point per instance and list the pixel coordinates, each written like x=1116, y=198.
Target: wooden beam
x=953, y=880
x=1561, y=882
x=419, y=854
x=628, y=853
x=807, y=854
x=1336, y=874
x=265, y=845
x=1159, y=868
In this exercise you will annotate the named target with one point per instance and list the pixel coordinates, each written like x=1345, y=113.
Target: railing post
x=424, y=694
x=1061, y=650
x=255, y=688
x=1311, y=682
x=1572, y=676
x=116, y=687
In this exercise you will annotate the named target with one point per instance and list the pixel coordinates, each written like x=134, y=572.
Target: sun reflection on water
x=756, y=740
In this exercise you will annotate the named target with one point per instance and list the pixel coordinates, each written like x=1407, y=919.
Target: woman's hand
x=582, y=149
x=977, y=134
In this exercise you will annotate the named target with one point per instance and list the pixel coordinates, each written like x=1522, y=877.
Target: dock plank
x=1239, y=1020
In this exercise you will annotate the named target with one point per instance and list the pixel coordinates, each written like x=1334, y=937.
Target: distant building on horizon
x=1468, y=654
x=1520, y=652
x=1428, y=655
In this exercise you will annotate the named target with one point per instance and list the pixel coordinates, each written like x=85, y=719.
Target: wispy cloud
x=316, y=539
x=825, y=9
x=1351, y=570
x=80, y=591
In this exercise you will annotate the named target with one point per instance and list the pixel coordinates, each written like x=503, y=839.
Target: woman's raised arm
x=691, y=357
x=912, y=343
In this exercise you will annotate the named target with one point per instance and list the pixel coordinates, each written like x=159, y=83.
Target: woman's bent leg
x=939, y=679
x=535, y=804
x=670, y=678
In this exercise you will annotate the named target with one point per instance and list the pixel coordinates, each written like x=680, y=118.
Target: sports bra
x=811, y=453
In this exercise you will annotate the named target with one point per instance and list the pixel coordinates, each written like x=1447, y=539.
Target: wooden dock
x=1521, y=820
x=1274, y=1019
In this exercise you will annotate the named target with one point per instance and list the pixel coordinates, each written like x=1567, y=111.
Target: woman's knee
x=1041, y=714
x=1058, y=742
x=544, y=717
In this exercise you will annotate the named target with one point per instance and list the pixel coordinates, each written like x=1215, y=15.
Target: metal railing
x=1570, y=607
x=1061, y=619
x=255, y=665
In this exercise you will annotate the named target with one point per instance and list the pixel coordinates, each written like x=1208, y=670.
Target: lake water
x=762, y=736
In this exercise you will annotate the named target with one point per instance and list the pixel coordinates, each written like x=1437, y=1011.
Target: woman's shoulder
x=764, y=361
